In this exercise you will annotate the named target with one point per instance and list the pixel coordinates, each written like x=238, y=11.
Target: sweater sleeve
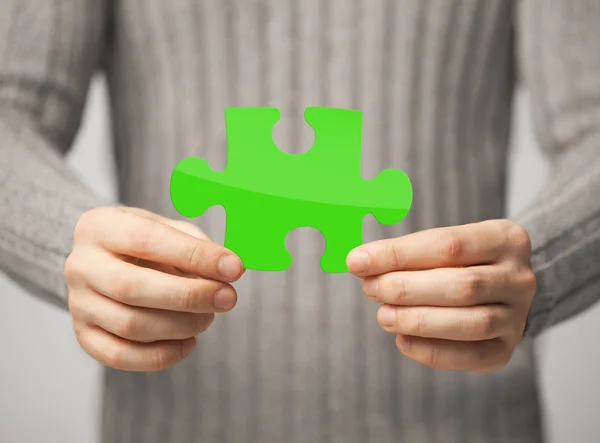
x=49, y=51
x=559, y=58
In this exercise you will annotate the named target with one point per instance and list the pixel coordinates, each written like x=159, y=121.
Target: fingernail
x=403, y=342
x=358, y=261
x=386, y=315
x=229, y=267
x=188, y=346
x=370, y=287
x=224, y=299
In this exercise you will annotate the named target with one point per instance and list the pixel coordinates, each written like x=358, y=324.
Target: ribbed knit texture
x=301, y=357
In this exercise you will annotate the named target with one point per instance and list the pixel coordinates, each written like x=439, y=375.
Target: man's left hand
x=457, y=297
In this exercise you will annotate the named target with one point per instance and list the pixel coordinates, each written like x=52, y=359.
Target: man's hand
x=142, y=286
x=457, y=298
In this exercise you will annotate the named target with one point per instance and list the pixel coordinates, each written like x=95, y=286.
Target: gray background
x=50, y=390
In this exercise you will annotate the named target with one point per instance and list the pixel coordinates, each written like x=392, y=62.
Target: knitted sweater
x=301, y=357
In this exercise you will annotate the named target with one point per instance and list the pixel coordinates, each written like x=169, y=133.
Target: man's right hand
x=142, y=286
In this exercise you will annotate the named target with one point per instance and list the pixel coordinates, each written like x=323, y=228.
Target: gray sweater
x=301, y=358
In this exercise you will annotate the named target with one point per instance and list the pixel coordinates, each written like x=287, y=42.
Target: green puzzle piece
x=267, y=193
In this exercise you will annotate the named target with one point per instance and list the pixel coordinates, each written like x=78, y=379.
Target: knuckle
x=412, y=322
x=86, y=224
x=122, y=288
x=189, y=297
x=113, y=356
x=486, y=323
x=162, y=358
x=452, y=246
x=141, y=242
x=394, y=254
x=128, y=326
x=73, y=303
x=420, y=322
x=470, y=286
x=80, y=334
x=74, y=269
x=432, y=357
x=79, y=309
x=518, y=238
x=529, y=282
x=142, y=237
x=400, y=290
x=194, y=257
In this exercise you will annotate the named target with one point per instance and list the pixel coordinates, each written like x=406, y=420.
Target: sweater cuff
x=41, y=200
x=564, y=227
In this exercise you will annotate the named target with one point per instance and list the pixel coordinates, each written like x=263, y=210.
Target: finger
x=126, y=355
x=183, y=226
x=138, y=324
x=149, y=288
x=150, y=240
x=472, y=244
x=482, y=356
x=464, y=324
x=159, y=267
x=467, y=286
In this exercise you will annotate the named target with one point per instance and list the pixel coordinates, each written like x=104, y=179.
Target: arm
x=559, y=54
x=462, y=297
x=48, y=53
x=140, y=286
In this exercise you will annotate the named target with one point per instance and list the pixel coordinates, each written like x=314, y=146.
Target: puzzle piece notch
x=255, y=163
x=260, y=239
x=250, y=135
x=259, y=177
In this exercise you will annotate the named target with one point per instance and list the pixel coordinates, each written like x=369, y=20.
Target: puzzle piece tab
x=267, y=193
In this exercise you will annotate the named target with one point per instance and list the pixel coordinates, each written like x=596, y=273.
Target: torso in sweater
x=301, y=358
